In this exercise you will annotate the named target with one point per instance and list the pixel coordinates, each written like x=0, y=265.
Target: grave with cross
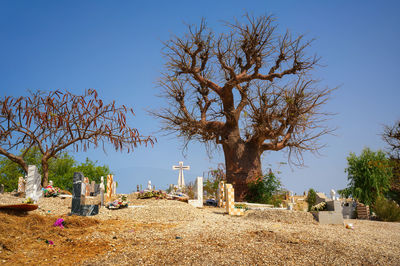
x=181, y=179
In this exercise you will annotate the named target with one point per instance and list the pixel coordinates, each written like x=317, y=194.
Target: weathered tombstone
x=181, y=179
x=87, y=186
x=21, y=185
x=33, y=187
x=109, y=187
x=114, y=188
x=102, y=189
x=78, y=198
x=221, y=194
x=333, y=214
x=230, y=201
x=198, y=194
x=1, y=188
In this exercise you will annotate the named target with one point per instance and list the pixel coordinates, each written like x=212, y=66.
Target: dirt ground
x=154, y=232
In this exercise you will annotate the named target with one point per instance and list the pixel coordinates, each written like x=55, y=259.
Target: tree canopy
x=248, y=89
x=369, y=176
x=55, y=120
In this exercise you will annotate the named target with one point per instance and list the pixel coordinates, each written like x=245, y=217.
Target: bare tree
x=391, y=136
x=56, y=120
x=247, y=89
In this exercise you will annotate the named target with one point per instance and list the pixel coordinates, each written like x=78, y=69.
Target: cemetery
x=96, y=225
x=240, y=87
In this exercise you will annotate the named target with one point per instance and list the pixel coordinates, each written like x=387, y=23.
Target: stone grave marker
x=33, y=187
x=1, y=188
x=87, y=186
x=114, y=188
x=109, y=187
x=221, y=194
x=333, y=214
x=102, y=189
x=78, y=206
x=198, y=193
x=230, y=201
x=181, y=179
x=21, y=185
x=149, y=185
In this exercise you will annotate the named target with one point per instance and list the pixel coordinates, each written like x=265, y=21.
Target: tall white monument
x=181, y=179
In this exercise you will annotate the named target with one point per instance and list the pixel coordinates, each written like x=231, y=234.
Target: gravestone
x=230, y=201
x=78, y=206
x=137, y=188
x=33, y=188
x=114, y=188
x=1, y=188
x=109, y=187
x=149, y=185
x=21, y=185
x=221, y=194
x=102, y=189
x=181, y=179
x=198, y=193
x=87, y=186
x=333, y=214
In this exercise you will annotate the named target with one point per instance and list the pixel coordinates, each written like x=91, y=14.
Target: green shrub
x=263, y=189
x=311, y=198
x=387, y=210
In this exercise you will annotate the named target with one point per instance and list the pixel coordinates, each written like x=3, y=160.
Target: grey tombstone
x=1, y=188
x=78, y=198
x=96, y=189
x=33, y=187
x=333, y=214
x=198, y=193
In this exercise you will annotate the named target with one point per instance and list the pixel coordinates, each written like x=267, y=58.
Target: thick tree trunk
x=243, y=165
x=45, y=169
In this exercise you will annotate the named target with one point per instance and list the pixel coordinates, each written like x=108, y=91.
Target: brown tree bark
x=243, y=165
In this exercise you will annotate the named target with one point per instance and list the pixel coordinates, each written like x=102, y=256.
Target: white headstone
x=33, y=180
x=102, y=189
x=149, y=185
x=198, y=193
x=51, y=183
x=181, y=179
x=114, y=187
x=333, y=193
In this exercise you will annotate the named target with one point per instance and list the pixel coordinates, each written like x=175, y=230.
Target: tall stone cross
x=181, y=179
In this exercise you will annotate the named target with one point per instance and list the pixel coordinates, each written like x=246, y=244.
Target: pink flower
x=59, y=223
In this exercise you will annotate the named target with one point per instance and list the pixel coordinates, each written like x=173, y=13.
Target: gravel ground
x=174, y=232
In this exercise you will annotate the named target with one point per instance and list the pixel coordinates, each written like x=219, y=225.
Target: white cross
x=180, y=167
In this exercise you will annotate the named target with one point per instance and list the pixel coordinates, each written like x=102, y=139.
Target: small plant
x=387, y=210
x=241, y=206
x=319, y=207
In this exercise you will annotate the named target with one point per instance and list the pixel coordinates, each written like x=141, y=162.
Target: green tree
x=263, y=189
x=61, y=169
x=311, y=198
x=369, y=175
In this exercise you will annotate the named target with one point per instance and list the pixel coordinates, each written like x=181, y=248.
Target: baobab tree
x=248, y=89
x=53, y=121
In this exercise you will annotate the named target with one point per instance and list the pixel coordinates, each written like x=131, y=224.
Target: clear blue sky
x=115, y=47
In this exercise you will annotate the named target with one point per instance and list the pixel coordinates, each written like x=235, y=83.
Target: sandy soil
x=172, y=232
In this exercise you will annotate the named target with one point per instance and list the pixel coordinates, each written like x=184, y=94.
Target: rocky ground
x=171, y=232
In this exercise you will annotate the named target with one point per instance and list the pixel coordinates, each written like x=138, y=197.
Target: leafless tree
x=391, y=136
x=56, y=120
x=248, y=89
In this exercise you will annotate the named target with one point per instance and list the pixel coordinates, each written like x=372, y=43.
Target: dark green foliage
x=263, y=189
x=387, y=210
x=311, y=198
x=369, y=175
x=61, y=170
